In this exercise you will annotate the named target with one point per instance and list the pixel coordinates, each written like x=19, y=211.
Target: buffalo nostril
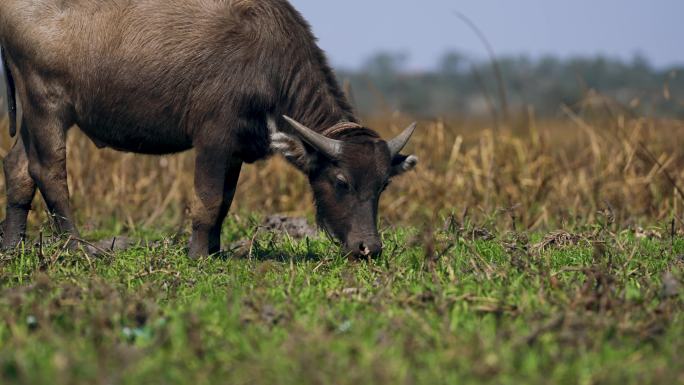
x=367, y=249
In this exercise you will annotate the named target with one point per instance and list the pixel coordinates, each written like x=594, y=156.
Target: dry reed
x=533, y=174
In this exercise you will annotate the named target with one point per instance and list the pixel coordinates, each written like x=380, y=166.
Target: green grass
x=436, y=308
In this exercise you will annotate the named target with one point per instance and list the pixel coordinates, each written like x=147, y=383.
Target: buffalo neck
x=313, y=97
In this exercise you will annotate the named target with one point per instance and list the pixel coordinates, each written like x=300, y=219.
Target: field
x=537, y=251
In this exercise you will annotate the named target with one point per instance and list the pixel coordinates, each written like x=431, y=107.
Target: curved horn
x=397, y=144
x=330, y=147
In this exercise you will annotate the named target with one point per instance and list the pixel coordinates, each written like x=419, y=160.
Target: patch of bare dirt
x=295, y=227
x=116, y=244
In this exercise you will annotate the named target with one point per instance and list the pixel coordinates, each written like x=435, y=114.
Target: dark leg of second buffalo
x=216, y=176
x=230, y=185
x=20, y=189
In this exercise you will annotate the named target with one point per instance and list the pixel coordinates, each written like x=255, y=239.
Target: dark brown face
x=347, y=192
x=347, y=177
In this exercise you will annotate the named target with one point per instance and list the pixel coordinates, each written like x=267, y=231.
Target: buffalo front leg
x=216, y=177
x=20, y=189
x=45, y=141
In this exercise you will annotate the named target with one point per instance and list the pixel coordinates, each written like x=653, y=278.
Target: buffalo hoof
x=9, y=242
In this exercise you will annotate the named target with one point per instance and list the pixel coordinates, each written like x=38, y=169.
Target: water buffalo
x=237, y=80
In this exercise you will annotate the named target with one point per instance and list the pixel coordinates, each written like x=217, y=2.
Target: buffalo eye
x=342, y=183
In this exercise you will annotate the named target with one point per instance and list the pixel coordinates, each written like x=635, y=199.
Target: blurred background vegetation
x=461, y=86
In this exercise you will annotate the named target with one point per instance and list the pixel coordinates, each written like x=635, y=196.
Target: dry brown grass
x=540, y=174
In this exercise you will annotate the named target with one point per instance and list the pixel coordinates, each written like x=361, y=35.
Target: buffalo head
x=347, y=177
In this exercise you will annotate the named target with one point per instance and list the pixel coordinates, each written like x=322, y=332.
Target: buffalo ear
x=293, y=150
x=403, y=163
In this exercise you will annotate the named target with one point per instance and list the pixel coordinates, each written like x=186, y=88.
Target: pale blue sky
x=351, y=30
